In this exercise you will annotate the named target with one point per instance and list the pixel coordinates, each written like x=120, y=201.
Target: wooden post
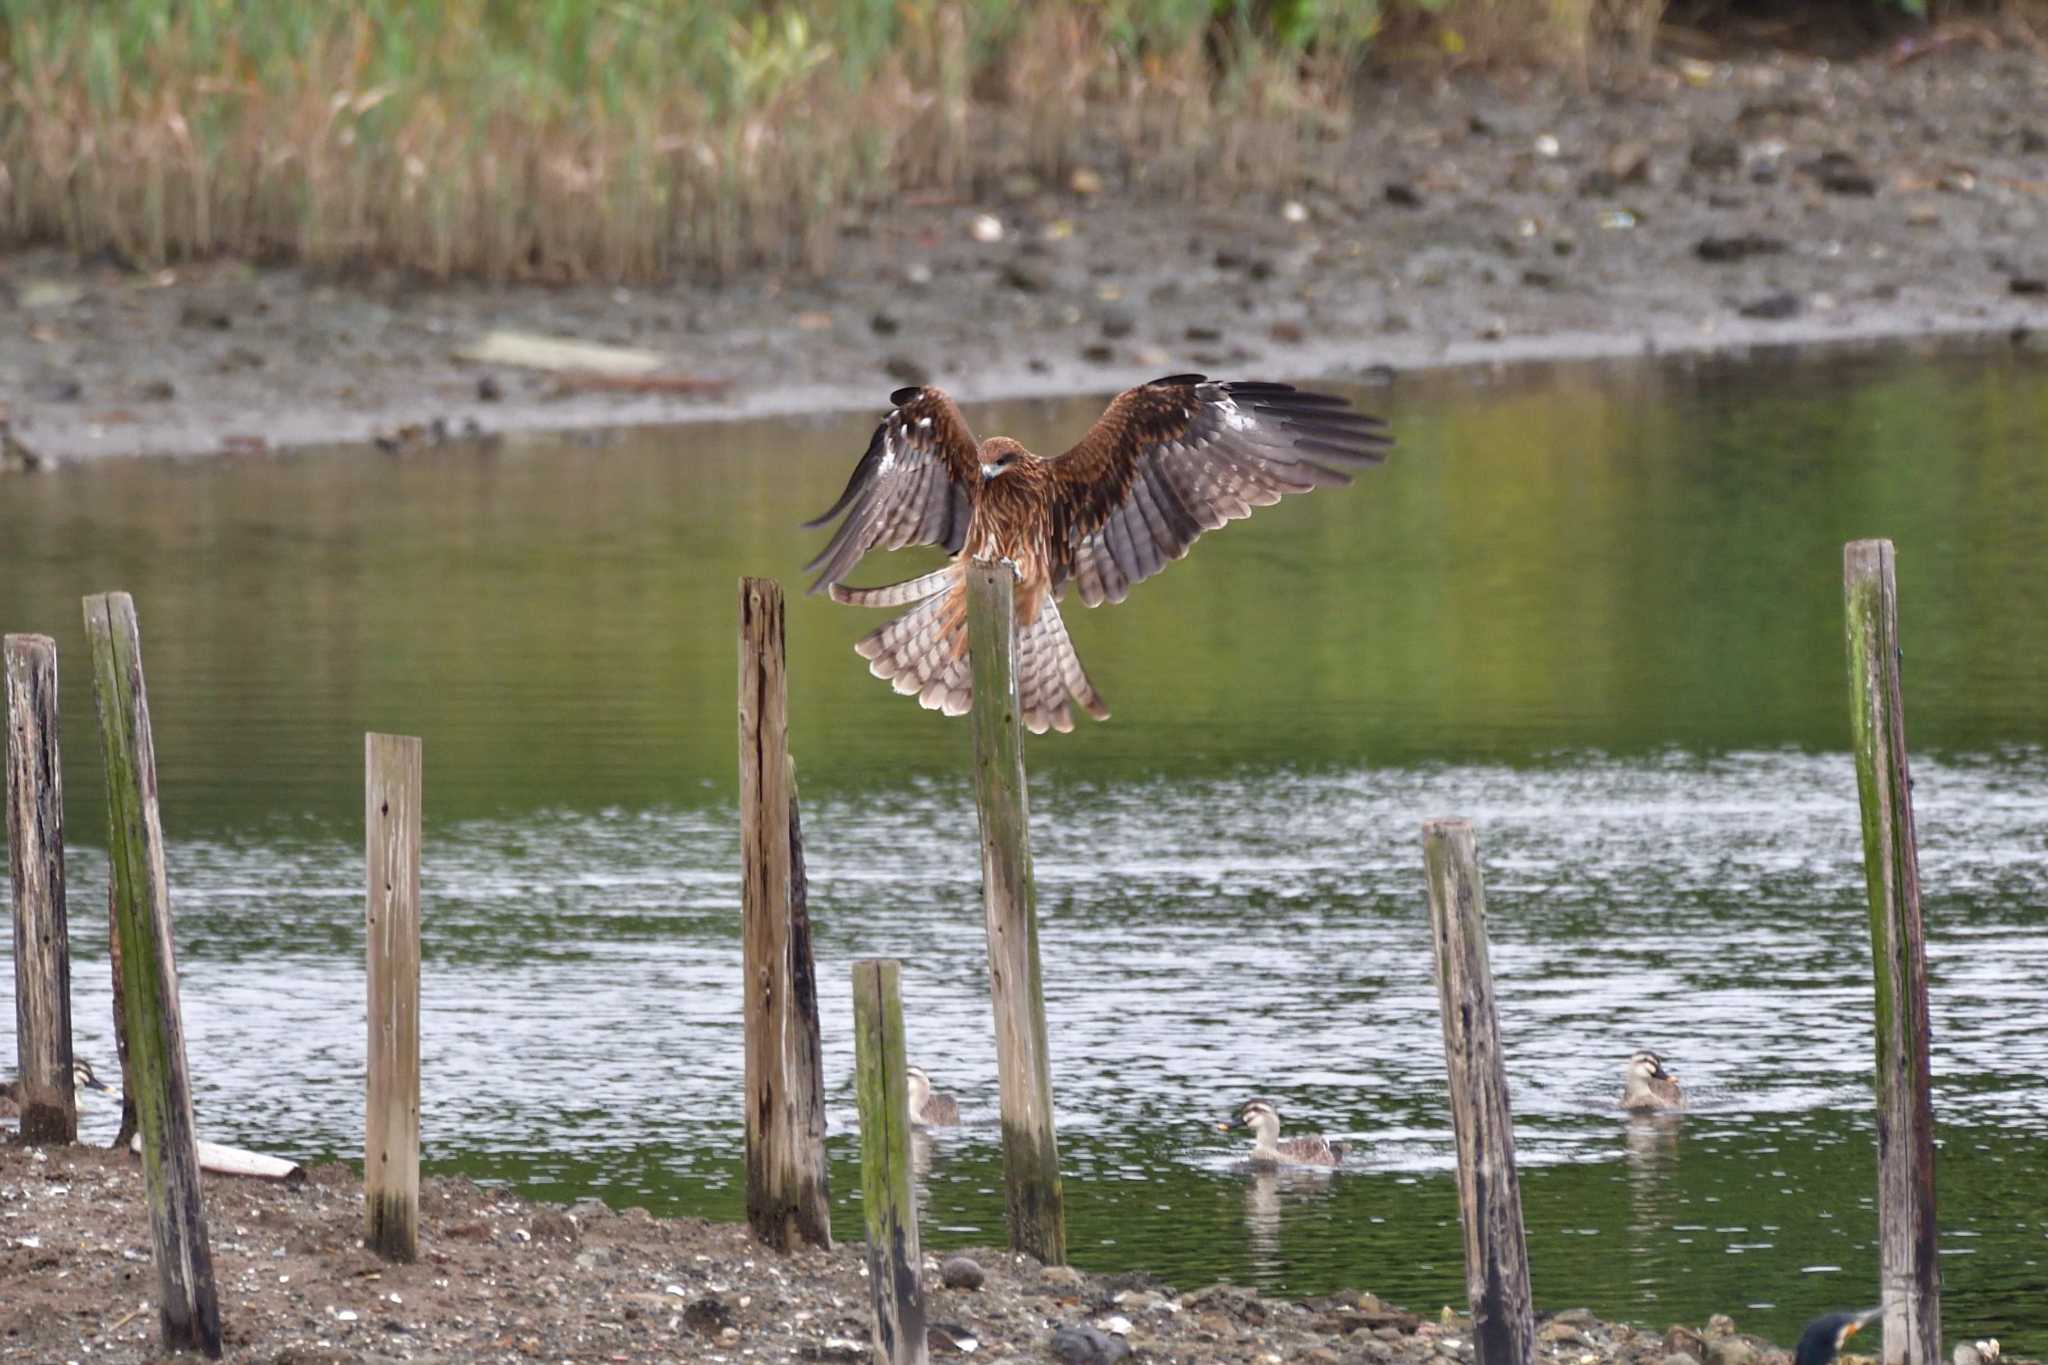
x=1908, y=1268
x=788, y=1194
x=895, y=1263
x=392, y=785
x=35, y=861
x=1031, y=1157
x=130, y=1128
x=188, y=1310
x=1489, y=1195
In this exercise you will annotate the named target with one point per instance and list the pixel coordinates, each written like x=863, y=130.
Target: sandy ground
x=1763, y=201
x=504, y=1279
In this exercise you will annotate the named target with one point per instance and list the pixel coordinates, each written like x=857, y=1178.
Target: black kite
x=1167, y=461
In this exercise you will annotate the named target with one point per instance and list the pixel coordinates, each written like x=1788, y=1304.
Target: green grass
x=563, y=139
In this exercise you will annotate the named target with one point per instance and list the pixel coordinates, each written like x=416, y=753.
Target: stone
x=961, y=1272
x=904, y=370
x=1084, y=1345
x=708, y=1316
x=1685, y=1341
x=1723, y=250
x=1720, y=1325
x=1730, y=1350
x=1772, y=307
x=1061, y=1276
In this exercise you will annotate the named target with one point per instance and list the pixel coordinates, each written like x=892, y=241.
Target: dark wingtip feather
x=1177, y=381
x=905, y=394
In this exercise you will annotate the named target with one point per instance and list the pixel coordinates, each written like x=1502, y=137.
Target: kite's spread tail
x=923, y=652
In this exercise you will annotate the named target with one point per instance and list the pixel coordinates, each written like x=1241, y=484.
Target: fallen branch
x=234, y=1161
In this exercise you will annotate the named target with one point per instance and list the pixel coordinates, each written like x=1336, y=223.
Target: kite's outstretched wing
x=1183, y=455
x=909, y=489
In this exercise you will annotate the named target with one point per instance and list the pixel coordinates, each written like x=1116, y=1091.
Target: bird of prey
x=1167, y=461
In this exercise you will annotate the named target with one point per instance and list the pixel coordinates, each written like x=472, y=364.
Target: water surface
x=1598, y=612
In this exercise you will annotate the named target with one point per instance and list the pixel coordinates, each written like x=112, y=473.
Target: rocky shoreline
x=502, y=1278
x=1684, y=205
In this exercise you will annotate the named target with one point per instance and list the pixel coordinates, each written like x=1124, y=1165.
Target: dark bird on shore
x=1647, y=1086
x=1823, y=1337
x=1167, y=461
x=929, y=1107
x=1267, y=1147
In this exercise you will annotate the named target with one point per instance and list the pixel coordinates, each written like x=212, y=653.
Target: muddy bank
x=501, y=1278
x=1682, y=206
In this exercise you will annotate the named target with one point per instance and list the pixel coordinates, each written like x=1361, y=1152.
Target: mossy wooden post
x=1031, y=1157
x=35, y=862
x=1489, y=1195
x=788, y=1193
x=1908, y=1268
x=888, y=1199
x=129, y=1127
x=188, y=1310
x=392, y=794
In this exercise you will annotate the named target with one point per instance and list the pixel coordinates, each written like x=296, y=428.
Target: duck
x=82, y=1079
x=1825, y=1336
x=1646, y=1085
x=928, y=1107
x=1267, y=1148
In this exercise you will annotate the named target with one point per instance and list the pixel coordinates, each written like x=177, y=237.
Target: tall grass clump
x=560, y=139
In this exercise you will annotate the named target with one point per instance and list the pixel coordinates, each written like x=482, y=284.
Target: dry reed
x=563, y=139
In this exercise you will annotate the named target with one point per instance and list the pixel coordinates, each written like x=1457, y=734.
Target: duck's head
x=1258, y=1115
x=920, y=1083
x=83, y=1079
x=1646, y=1066
x=1823, y=1337
x=1000, y=454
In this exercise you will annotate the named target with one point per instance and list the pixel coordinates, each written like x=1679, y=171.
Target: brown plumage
x=1167, y=461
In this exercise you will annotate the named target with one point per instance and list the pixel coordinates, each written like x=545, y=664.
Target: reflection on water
x=1603, y=622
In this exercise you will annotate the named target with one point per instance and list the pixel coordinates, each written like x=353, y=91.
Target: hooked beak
x=1862, y=1320
x=989, y=471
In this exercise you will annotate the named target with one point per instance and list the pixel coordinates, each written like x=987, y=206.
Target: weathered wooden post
x=788, y=1194
x=1907, y=1263
x=1031, y=1157
x=188, y=1310
x=895, y=1262
x=129, y=1128
x=1489, y=1195
x=392, y=781
x=35, y=862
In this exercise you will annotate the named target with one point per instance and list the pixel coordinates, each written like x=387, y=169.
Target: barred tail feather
x=896, y=594
x=1049, y=673
x=923, y=653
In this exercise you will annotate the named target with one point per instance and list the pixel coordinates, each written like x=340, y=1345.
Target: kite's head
x=998, y=455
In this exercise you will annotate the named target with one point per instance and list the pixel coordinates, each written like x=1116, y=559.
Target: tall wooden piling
x=392, y=782
x=188, y=1310
x=888, y=1199
x=788, y=1194
x=1489, y=1195
x=1031, y=1158
x=1908, y=1268
x=35, y=862
x=129, y=1127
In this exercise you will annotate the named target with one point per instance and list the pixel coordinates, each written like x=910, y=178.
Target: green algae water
x=1597, y=611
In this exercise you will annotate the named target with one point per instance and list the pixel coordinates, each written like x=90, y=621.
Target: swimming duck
x=82, y=1079
x=1645, y=1084
x=932, y=1108
x=1267, y=1149
x=1823, y=1337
